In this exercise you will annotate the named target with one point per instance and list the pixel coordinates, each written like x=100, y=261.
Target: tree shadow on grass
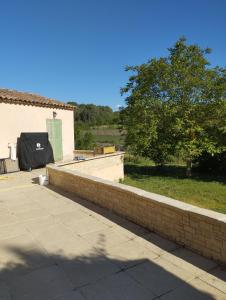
x=171, y=171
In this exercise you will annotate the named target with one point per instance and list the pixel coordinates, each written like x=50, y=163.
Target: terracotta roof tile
x=15, y=97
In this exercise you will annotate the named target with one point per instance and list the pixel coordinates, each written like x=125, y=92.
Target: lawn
x=202, y=190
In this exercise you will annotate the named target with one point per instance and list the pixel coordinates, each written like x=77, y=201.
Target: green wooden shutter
x=54, y=128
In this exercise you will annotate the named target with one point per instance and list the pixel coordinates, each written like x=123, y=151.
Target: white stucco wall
x=15, y=119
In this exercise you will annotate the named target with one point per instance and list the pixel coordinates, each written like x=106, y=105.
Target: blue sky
x=77, y=49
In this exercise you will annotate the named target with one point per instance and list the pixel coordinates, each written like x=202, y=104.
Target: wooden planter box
x=105, y=150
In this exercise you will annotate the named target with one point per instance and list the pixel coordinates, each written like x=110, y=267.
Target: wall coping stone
x=90, y=158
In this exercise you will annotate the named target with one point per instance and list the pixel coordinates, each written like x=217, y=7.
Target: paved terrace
x=54, y=246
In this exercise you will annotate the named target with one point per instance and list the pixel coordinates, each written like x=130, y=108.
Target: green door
x=54, y=128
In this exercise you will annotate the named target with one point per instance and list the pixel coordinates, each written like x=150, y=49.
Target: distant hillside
x=96, y=125
x=94, y=115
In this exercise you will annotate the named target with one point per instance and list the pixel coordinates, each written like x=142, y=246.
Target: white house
x=25, y=112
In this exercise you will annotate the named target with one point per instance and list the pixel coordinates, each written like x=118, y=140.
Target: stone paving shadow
x=92, y=277
x=55, y=246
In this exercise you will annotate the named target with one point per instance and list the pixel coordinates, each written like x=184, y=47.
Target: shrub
x=211, y=163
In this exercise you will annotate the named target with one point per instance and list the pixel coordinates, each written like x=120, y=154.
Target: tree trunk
x=188, y=169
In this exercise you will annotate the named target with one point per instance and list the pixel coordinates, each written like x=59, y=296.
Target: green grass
x=206, y=191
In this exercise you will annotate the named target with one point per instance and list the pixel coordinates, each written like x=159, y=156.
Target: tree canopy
x=94, y=115
x=176, y=104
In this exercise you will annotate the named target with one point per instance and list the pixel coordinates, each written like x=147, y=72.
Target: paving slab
x=11, y=230
x=159, y=276
x=216, y=278
x=118, y=286
x=56, y=246
x=105, y=239
x=197, y=290
x=156, y=243
x=88, y=269
x=73, y=295
x=190, y=261
x=129, y=254
x=43, y=283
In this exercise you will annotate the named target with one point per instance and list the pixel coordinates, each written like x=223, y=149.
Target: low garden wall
x=107, y=166
x=201, y=230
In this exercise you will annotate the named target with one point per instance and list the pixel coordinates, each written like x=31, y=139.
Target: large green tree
x=175, y=104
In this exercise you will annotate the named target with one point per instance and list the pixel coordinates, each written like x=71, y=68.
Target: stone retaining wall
x=107, y=166
x=199, y=229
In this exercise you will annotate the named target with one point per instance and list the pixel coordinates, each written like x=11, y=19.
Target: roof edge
x=25, y=98
x=31, y=103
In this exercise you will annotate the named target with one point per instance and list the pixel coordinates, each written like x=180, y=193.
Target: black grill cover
x=34, y=150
